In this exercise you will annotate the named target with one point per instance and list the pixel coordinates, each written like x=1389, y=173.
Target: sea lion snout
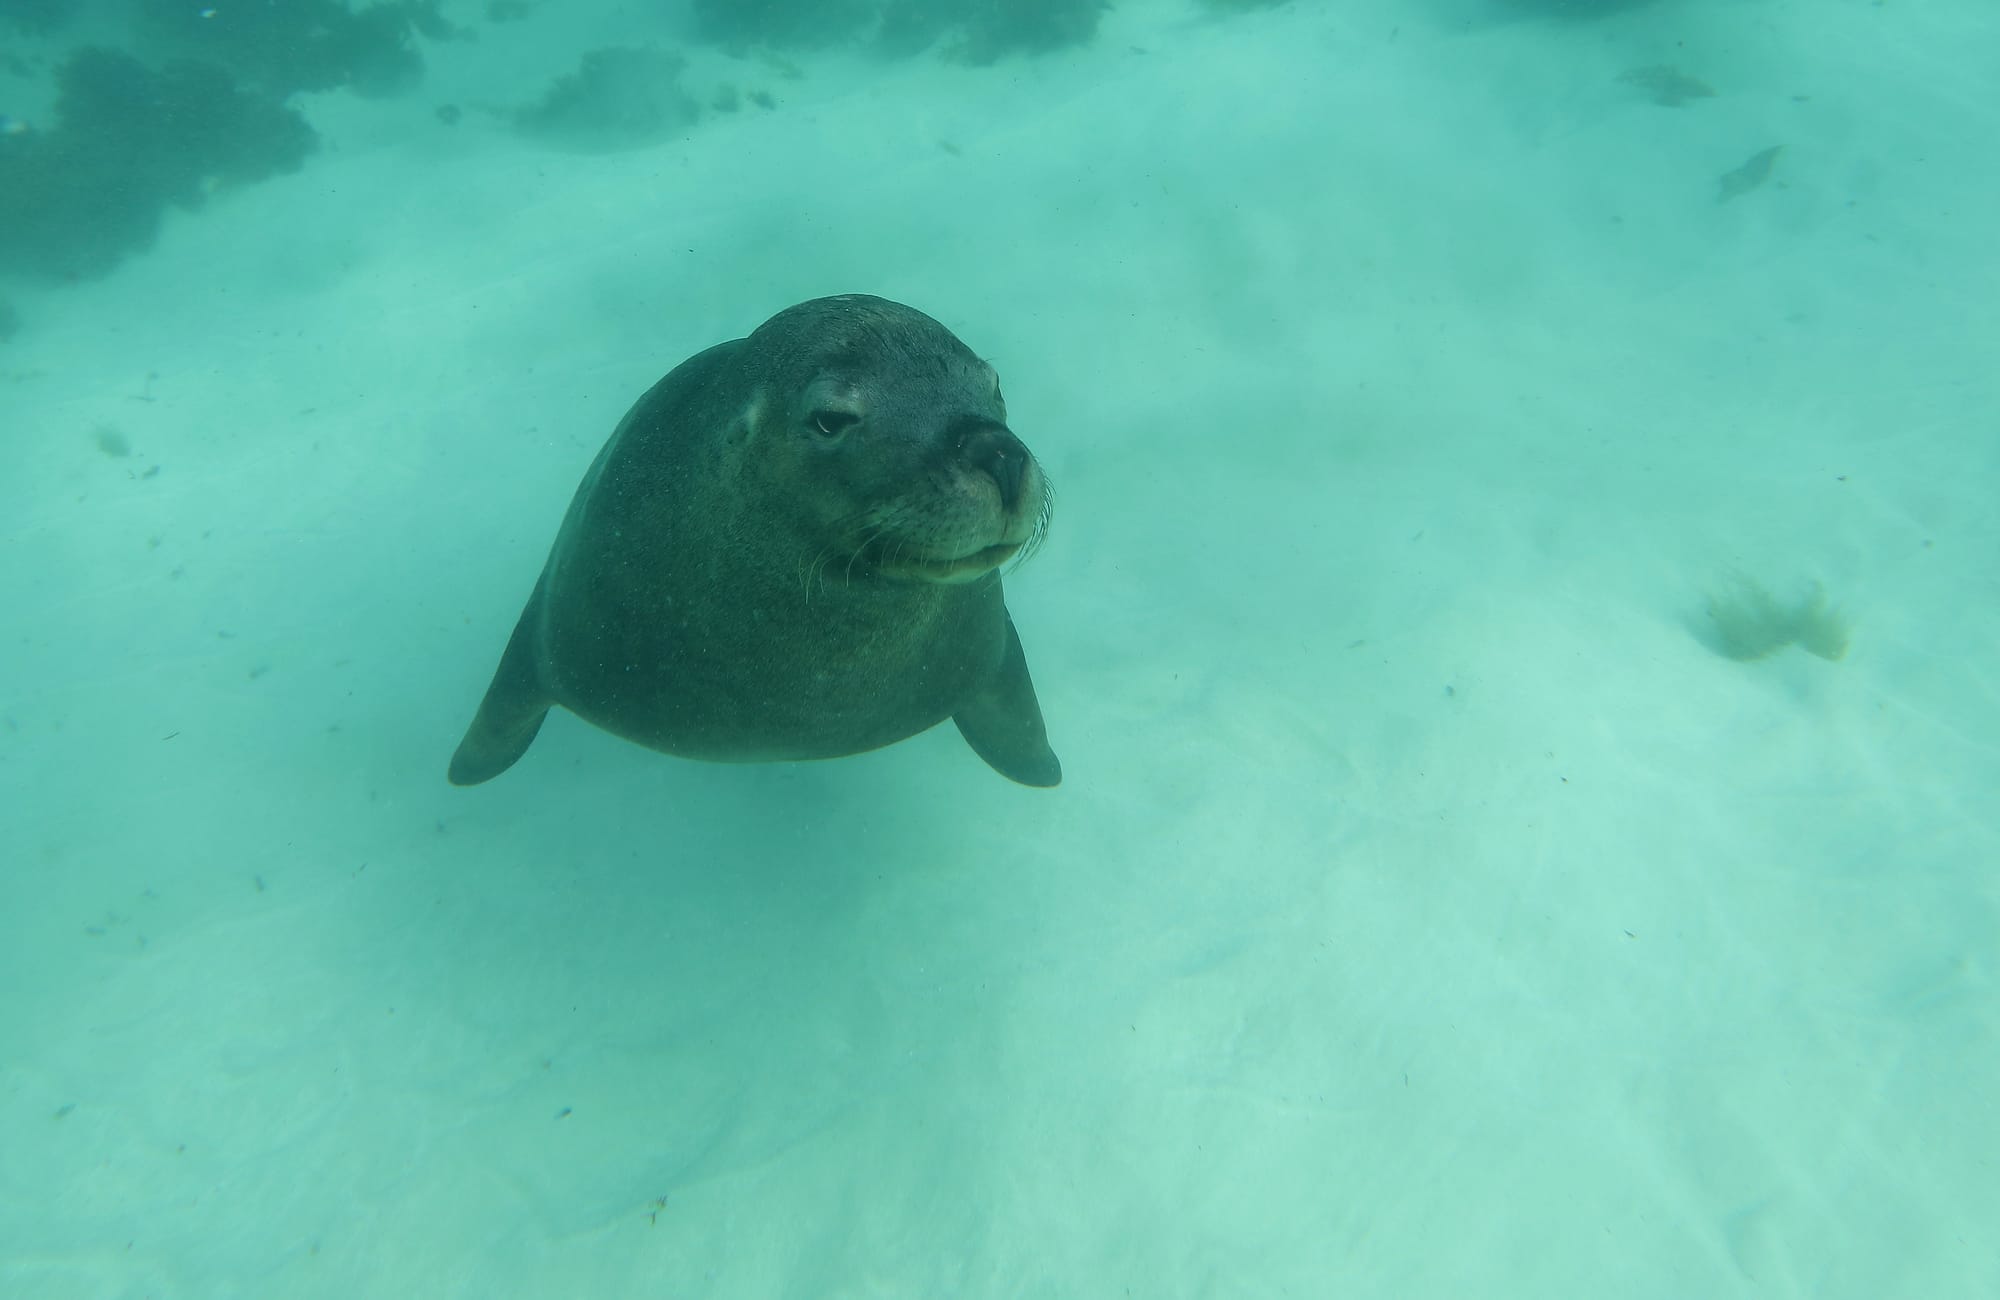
x=991, y=505
x=991, y=447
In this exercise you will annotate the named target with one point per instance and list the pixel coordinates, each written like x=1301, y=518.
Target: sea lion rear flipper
x=1003, y=722
x=512, y=711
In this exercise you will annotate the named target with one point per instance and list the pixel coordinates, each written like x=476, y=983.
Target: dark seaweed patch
x=129, y=142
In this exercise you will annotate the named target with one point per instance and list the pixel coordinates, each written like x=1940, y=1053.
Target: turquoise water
x=1518, y=626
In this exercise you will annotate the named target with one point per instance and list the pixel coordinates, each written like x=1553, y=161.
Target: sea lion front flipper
x=1003, y=722
x=512, y=711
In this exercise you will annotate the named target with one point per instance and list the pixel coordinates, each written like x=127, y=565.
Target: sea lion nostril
x=994, y=449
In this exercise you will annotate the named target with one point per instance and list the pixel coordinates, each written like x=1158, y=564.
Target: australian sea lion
x=789, y=549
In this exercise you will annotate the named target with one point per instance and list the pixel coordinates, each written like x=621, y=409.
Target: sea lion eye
x=834, y=423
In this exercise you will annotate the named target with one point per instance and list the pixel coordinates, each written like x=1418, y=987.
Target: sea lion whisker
x=809, y=574
x=854, y=556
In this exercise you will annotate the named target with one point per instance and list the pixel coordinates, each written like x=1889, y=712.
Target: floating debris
x=1666, y=86
x=1753, y=173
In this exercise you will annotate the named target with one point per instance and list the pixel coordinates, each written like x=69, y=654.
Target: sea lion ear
x=1003, y=722
x=743, y=425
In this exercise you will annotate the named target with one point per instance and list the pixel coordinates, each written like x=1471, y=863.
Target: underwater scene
x=999, y=648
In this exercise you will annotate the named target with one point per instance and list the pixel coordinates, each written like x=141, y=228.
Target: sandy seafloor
x=1427, y=911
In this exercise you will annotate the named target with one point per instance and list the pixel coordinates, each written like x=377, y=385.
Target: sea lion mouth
x=921, y=540
x=963, y=568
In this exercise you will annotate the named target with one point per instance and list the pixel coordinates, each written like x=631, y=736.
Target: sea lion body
x=788, y=549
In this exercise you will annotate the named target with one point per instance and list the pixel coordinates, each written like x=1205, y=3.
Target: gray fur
x=734, y=583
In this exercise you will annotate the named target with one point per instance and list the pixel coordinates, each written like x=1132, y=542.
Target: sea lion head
x=886, y=439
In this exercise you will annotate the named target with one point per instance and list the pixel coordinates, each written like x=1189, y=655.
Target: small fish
x=1754, y=172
